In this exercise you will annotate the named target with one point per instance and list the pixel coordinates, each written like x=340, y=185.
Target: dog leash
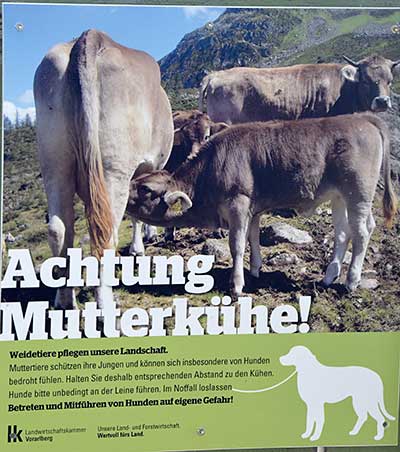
x=267, y=389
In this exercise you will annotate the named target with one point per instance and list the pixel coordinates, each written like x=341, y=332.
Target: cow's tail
x=389, y=195
x=88, y=154
x=203, y=94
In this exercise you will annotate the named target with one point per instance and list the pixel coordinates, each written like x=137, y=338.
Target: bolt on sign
x=199, y=228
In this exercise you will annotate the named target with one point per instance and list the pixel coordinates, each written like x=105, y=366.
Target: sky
x=156, y=30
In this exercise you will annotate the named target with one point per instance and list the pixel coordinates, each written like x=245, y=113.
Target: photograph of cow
x=85, y=131
x=302, y=91
x=257, y=167
x=116, y=150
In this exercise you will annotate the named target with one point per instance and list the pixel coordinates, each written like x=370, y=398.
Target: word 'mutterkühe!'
x=221, y=317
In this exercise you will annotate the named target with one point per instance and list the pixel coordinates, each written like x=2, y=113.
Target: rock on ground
x=283, y=259
x=369, y=283
x=282, y=232
x=218, y=248
x=10, y=238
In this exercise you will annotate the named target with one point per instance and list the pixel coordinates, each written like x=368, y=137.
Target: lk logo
x=14, y=435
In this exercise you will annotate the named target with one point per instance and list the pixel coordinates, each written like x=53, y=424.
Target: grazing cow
x=249, y=169
x=245, y=94
x=101, y=116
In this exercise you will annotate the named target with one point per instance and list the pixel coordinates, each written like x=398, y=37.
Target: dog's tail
x=383, y=409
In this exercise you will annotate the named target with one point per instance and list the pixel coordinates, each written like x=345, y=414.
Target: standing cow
x=101, y=115
x=250, y=169
x=191, y=130
x=245, y=94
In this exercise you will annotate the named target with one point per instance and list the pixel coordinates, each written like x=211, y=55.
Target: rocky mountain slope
x=266, y=37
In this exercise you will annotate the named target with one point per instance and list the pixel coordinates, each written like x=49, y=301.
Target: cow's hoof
x=255, y=272
x=305, y=435
x=327, y=282
x=352, y=286
x=151, y=239
x=378, y=437
x=237, y=291
x=314, y=438
x=150, y=233
x=331, y=275
x=136, y=251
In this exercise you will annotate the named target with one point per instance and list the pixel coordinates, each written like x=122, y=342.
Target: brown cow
x=101, y=113
x=245, y=94
x=192, y=129
x=249, y=169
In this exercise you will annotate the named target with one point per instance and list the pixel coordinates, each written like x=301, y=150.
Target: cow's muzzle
x=381, y=103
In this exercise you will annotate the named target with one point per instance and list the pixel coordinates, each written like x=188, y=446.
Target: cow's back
x=251, y=94
x=285, y=163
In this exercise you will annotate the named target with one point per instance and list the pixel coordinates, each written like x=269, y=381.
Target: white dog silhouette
x=318, y=384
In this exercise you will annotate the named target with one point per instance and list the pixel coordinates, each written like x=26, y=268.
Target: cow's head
x=373, y=76
x=156, y=199
x=195, y=131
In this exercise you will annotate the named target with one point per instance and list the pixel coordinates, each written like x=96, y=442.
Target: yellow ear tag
x=177, y=206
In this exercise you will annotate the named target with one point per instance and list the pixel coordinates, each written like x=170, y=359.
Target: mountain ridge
x=272, y=37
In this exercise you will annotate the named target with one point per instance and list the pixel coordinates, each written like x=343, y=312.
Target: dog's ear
x=308, y=353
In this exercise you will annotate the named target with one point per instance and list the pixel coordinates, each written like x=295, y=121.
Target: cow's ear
x=178, y=137
x=218, y=126
x=144, y=167
x=396, y=67
x=350, y=73
x=178, y=201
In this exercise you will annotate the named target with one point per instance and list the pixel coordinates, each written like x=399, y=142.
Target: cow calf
x=191, y=130
x=250, y=169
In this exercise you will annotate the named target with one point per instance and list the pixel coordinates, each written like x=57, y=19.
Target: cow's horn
x=171, y=198
x=353, y=63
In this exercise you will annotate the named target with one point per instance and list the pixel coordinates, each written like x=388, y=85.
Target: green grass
x=349, y=24
x=297, y=34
